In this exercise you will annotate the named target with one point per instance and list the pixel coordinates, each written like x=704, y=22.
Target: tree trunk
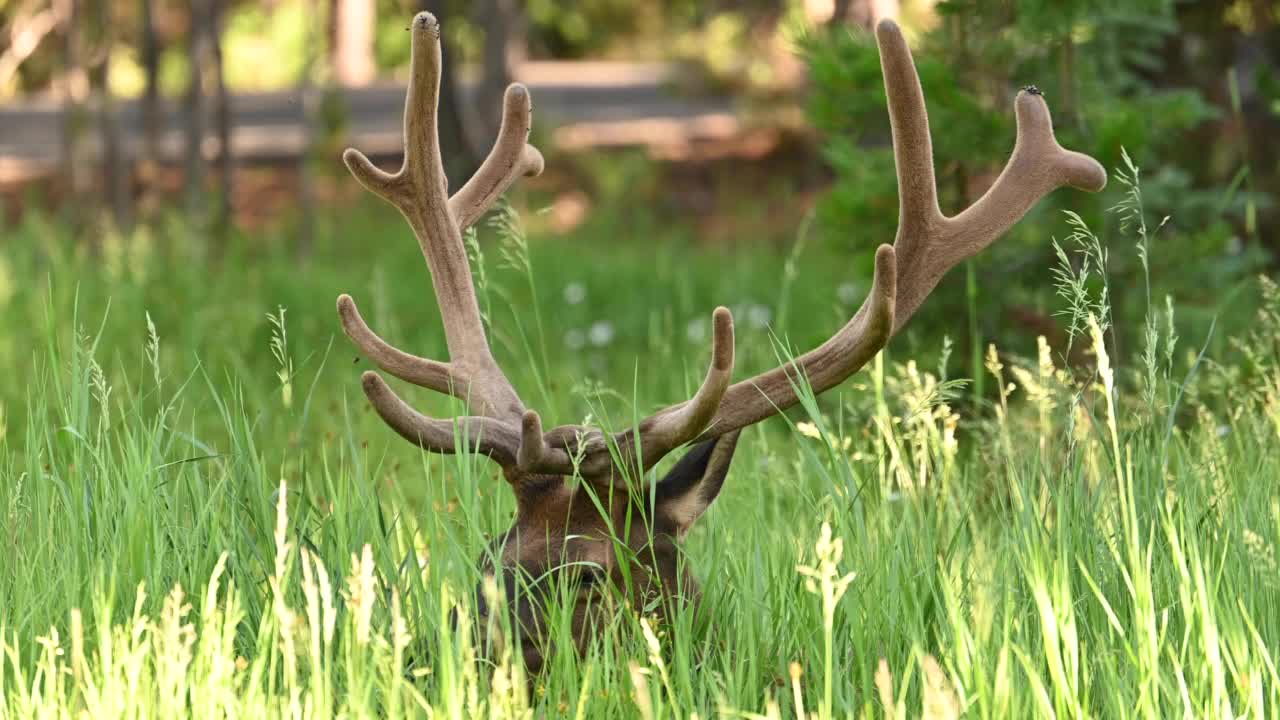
x=197, y=55
x=352, y=37
x=843, y=8
x=310, y=105
x=864, y=13
x=455, y=146
x=222, y=120
x=115, y=166
x=75, y=89
x=503, y=47
x=149, y=168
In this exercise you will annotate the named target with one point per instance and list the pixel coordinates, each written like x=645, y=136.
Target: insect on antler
x=928, y=244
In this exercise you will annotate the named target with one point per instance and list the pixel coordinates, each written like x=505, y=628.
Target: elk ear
x=693, y=484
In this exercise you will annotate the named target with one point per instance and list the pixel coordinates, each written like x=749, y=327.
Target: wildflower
x=1261, y=553
x=839, y=444
x=808, y=430
x=696, y=330
x=575, y=293
x=360, y=595
x=601, y=333
x=823, y=577
x=758, y=316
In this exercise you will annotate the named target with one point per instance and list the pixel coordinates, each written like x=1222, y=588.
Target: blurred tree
x=504, y=47
x=351, y=36
x=116, y=173
x=204, y=56
x=1232, y=51
x=197, y=58
x=576, y=29
x=222, y=118
x=152, y=119
x=461, y=160
x=27, y=26
x=311, y=123
x=863, y=13
x=75, y=91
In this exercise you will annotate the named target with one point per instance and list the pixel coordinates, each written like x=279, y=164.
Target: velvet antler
x=928, y=244
x=501, y=427
x=420, y=191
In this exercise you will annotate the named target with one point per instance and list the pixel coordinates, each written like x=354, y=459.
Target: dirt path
x=586, y=104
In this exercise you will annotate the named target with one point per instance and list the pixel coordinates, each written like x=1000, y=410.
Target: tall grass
x=204, y=519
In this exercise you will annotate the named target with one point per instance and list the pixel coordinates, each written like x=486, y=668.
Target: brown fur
x=560, y=529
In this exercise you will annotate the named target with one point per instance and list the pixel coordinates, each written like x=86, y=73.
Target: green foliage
x=578, y=27
x=267, y=44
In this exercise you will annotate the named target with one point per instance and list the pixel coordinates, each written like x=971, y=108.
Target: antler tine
x=918, y=212
x=662, y=433
x=535, y=454
x=511, y=157
x=420, y=371
x=533, y=448
x=1038, y=166
x=421, y=171
x=477, y=434
x=929, y=243
x=749, y=401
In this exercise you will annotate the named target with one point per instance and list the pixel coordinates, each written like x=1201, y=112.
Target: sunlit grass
x=203, y=518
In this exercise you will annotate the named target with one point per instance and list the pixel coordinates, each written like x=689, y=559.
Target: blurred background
x=747, y=137
x=176, y=224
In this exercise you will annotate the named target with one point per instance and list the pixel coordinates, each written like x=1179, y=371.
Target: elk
x=558, y=527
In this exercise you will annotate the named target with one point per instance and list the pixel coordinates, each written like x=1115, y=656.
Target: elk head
x=577, y=529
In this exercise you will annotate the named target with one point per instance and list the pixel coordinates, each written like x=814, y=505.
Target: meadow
x=202, y=516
